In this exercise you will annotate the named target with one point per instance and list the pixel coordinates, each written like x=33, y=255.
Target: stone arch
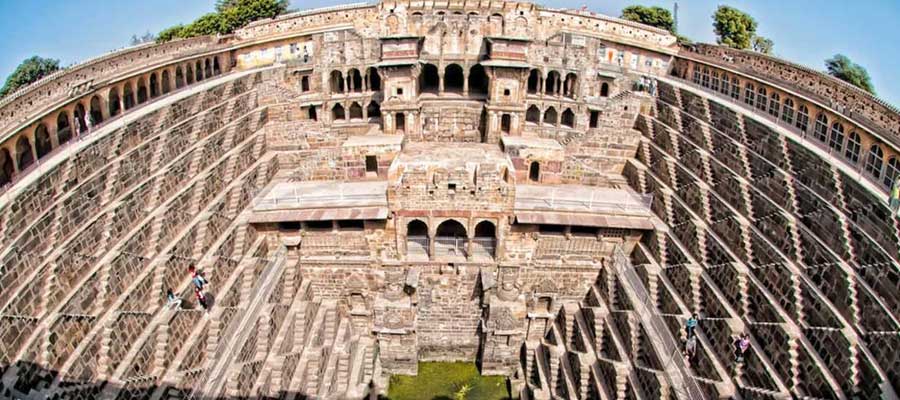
x=534, y=171
x=24, y=153
x=604, y=89
x=875, y=161
x=63, y=127
x=478, y=80
x=6, y=167
x=485, y=229
x=141, y=91
x=568, y=118
x=356, y=111
x=336, y=81
x=373, y=110
x=534, y=81
x=570, y=85
x=533, y=115
x=837, y=137
x=485, y=240
x=550, y=116
x=42, y=144
x=496, y=24
x=217, y=69
x=430, y=79
x=450, y=238
x=154, y=85
x=553, y=83
x=179, y=77
x=853, y=145
x=189, y=74
x=356, y=81
x=112, y=102
x=417, y=239
x=198, y=71
x=128, y=96
x=374, y=79
x=165, y=88
x=80, y=116
x=337, y=112
x=453, y=78
x=96, y=110
x=207, y=68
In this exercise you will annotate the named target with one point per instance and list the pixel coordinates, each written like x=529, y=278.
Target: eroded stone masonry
x=548, y=193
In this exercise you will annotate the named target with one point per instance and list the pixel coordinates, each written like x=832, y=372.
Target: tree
x=170, y=33
x=841, y=67
x=208, y=24
x=29, y=71
x=734, y=27
x=654, y=16
x=763, y=45
x=229, y=16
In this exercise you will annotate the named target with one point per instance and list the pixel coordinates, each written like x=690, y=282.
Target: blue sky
x=804, y=31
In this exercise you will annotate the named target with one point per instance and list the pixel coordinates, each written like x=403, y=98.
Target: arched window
x=207, y=68
x=374, y=110
x=478, y=80
x=533, y=115
x=874, y=161
x=761, y=99
x=417, y=238
x=337, y=82
x=750, y=94
x=735, y=88
x=787, y=112
x=154, y=85
x=891, y=172
x=505, y=123
x=534, y=81
x=430, y=79
x=165, y=82
x=189, y=74
x=128, y=96
x=6, y=167
x=553, y=83
x=374, y=79
x=568, y=118
x=453, y=78
x=484, y=242
x=714, y=85
x=141, y=91
x=803, y=119
x=63, y=128
x=837, y=137
x=704, y=78
x=179, y=78
x=696, y=75
x=80, y=118
x=450, y=239
x=534, y=171
x=216, y=68
x=113, y=102
x=821, y=130
x=853, y=146
x=42, y=143
x=96, y=110
x=356, y=81
x=604, y=89
x=726, y=84
x=774, y=105
x=23, y=152
x=198, y=71
x=337, y=113
x=551, y=117
x=356, y=111
x=570, y=85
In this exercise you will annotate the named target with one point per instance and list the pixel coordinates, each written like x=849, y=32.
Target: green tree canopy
x=653, y=16
x=763, y=45
x=841, y=67
x=29, y=71
x=734, y=27
x=229, y=16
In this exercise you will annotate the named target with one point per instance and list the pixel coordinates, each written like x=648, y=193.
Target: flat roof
x=450, y=155
x=373, y=140
x=582, y=205
x=321, y=200
x=535, y=142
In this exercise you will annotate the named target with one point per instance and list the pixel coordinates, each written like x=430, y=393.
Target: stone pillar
x=104, y=111
x=121, y=90
x=388, y=120
x=14, y=158
x=441, y=82
x=465, y=84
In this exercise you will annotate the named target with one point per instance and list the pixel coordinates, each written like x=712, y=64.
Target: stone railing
x=301, y=19
x=854, y=103
x=33, y=99
x=628, y=30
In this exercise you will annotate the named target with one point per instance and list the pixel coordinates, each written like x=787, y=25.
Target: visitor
x=77, y=125
x=172, y=302
x=201, y=298
x=196, y=278
x=690, y=348
x=691, y=325
x=88, y=123
x=741, y=345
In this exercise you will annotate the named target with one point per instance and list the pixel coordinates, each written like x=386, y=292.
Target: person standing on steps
x=172, y=302
x=741, y=345
x=196, y=278
x=201, y=298
x=690, y=349
x=691, y=325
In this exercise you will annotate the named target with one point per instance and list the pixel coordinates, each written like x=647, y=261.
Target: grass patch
x=447, y=381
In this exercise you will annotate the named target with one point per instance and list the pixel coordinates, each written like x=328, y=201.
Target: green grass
x=447, y=381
